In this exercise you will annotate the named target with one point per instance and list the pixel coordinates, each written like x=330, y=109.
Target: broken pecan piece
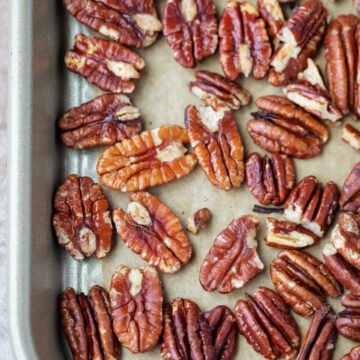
x=154, y=157
x=106, y=64
x=354, y=354
x=348, y=322
x=151, y=230
x=136, y=307
x=271, y=12
x=104, y=120
x=190, y=28
x=351, y=136
x=233, y=260
x=82, y=220
x=199, y=220
x=302, y=281
x=350, y=196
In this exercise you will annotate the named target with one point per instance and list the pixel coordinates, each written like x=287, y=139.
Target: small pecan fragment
x=136, y=307
x=154, y=157
x=348, y=322
x=187, y=335
x=150, y=229
x=270, y=180
x=267, y=325
x=82, y=220
x=199, y=220
x=354, y=354
x=350, y=195
x=244, y=43
x=302, y=281
x=351, y=136
x=229, y=93
x=233, y=260
x=190, y=28
x=104, y=120
x=217, y=144
x=132, y=23
x=271, y=12
x=106, y=64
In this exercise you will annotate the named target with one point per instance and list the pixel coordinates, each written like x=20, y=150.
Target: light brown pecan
x=351, y=136
x=302, y=281
x=348, y=322
x=133, y=23
x=233, y=260
x=244, y=43
x=187, y=335
x=267, y=325
x=217, y=144
x=190, y=28
x=354, y=354
x=199, y=220
x=136, y=307
x=356, y=4
x=151, y=230
x=350, y=195
x=154, y=157
x=229, y=93
x=106, y=64
x=270, y=180
x=104, y=120
x=82, y=219
x=283, y=127
x=271, y=12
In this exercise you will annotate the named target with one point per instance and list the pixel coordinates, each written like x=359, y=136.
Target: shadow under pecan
x=104, y=120
x=348, y=322
x=154, y=157
x=350, y=195
x=354, y=354
x=151, y=230
x=81, y=219
x=105, y=64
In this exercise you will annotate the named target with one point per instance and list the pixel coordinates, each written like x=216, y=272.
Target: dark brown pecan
x=351, y=136
x=354, y=354
x=348, y=323
x=104, y=120
x=106, y=64
x=350, y=196
x=271, y=12
x=199, y=220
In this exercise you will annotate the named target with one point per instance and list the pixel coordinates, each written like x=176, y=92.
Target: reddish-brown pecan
x=104, y=120
x=106, y=64
x=151, y=230
x=217, y=144
x=271, y=12
x=354, y=354
x=351, y=136
x=348, y=322
x=190, y=28
x=244, y=43
x=154, y=157
x=350, y=195
x=82, y=219
x=133, y=23
x=229, y=93
x=136, y=307
x=302, y=281
x=283, y=127
x=187, y=335
x=199, y=220
x=270, y=180
x=267, y=325
x=233, y=260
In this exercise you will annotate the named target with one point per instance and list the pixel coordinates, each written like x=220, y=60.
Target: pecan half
x=151, y=230
x=283, y=127
x=350, y=195
x=133, y=23
x=302, y=281
x=271, y=12
x=244, y=45
x=270, y=180
x=351, y=136
x=81, y=219
x=217, y=144
x=106, y=64
x=354, y=354
x=233, y=260
x=348, y=323
x=190, y=28
x=187, y=335
x=104, y=120
x=136, y=307
x=229, y=93
x=154, y=157
x=267, y=325
x=199, y=220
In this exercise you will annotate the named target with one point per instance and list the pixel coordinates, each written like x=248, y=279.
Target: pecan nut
x=267, y=324
x=271, y=12
x=270, y=180
x=132, y=23
x=82, y=219
x=354, y=354
x=348, y=322
x=104, y=120
x=151, y=230
x=302, y=281
x=154, y=157
x=283, y=127
x=244, y=45
x=136, y=307
x=217, y=144
x=229, y=93
x=190, y=28
x=233, y=260
x=200, y=220
x=186, y=335
x=106, y=64
x=356, y=5
x=351, y=136
x=350, y=195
